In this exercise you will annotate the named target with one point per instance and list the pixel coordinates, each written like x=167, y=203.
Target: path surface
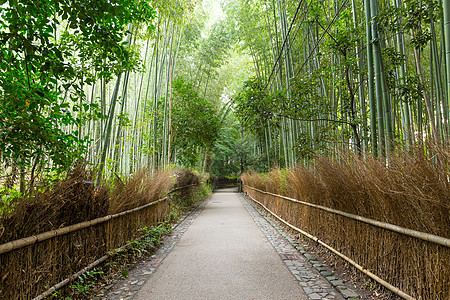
x=226, y=250
x=223, y=255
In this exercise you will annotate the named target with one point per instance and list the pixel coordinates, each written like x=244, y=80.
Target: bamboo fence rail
x=20, y=243
x=412, y=264
x=409, y=232
x=351, y=261
x=29, y=266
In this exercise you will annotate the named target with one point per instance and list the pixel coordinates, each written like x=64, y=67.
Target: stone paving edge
x=125, y=289
x=325, y=272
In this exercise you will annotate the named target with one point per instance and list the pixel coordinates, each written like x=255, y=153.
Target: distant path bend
x=222, y=255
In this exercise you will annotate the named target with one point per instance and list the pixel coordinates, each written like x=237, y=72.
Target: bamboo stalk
x=380, y=96
x=370, y=80
x=405, y=231
x=446, y=30
x=349, y=260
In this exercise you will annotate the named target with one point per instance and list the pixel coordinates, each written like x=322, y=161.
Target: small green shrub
x=86, y=282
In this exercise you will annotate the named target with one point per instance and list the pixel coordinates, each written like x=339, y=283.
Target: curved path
x=228, y=251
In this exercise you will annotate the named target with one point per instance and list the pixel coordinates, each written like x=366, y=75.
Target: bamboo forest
x=138, y=110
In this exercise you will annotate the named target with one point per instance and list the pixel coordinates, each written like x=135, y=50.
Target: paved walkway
x=225, y=250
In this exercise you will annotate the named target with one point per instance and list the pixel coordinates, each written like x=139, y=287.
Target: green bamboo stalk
x=406, y=118
x=167, y=101
x=434, y=59
x=118, y=141
x=378, y=79
x=135, y=154
x=361, y=92
x=266, y=139
x=108, y=128
x=446, y=27
x=428, y=104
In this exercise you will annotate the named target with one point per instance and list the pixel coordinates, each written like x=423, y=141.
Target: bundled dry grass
x=185, y=188
x=76, y=199
x=186, y=177
x=70, y=201
x=142, y=188
x=27, y=272
x=412, y=192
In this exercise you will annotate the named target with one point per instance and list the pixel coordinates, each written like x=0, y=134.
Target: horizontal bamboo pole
x=349, y=260
x=98, y=261
x=180, y=188
x=72, y=277
x=23, y=242
x=405, y=231
x=84, y=270
x=20, y=243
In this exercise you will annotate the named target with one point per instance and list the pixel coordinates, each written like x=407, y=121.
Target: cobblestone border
x=125, y=289
x=317, y=280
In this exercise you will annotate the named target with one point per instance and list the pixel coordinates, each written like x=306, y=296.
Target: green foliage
x=214, y=49
x=205, y=52
x=124, y=273
x=393, y=60
x=307, y=146
x=86, y=281
x=183, y=202
x=154, y=234
x=152, y=237
x=227, y=154
x=254, y=105
x=8, y=197
x=194, y=122
x=306, y=101
x=233, y=151
x=48, y=51
x=418, y=16
x=345, y=36
x=256, y=108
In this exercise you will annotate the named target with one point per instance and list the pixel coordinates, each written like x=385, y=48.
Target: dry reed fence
x=50, y=257
x=413, y=193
